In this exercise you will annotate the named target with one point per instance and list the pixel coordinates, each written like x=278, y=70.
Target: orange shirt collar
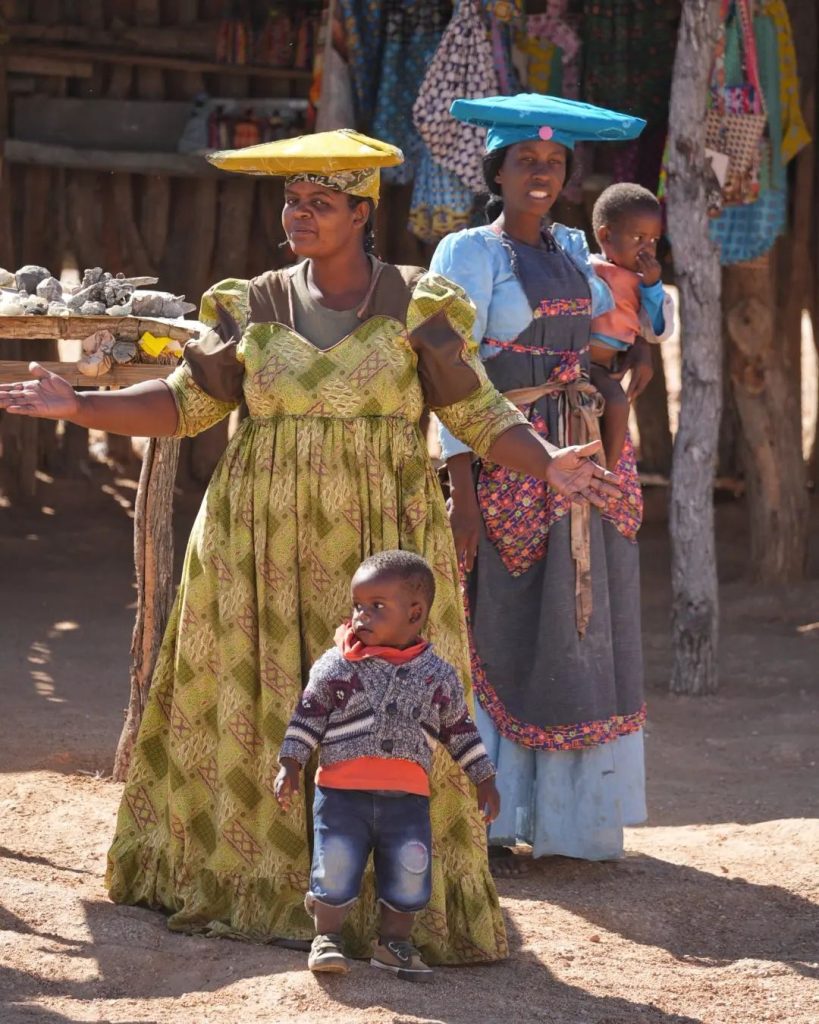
x=354, y=650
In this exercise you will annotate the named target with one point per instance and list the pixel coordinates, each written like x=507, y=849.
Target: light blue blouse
x=478, y=260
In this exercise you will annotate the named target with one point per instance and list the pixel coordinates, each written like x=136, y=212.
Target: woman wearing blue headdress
x=552, y=589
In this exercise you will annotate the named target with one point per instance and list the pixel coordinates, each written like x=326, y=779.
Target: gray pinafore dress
x=561, y=713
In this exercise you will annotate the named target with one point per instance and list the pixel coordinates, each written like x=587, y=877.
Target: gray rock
x=123, y=310
x=150, y=303
x=92, y=308
x=11, y=305
x=50, y=288
x=30, y=276
x=35, y=306
x=7, y=279
x=57, y=309
x=116, y=293
x=91, y=275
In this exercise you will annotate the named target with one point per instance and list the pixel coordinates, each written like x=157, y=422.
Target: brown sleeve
x=213, y=359
x=446, y=377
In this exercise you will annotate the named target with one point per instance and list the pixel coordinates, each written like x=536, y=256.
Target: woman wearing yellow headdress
x=336, y=358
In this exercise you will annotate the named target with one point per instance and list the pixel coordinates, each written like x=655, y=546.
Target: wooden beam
x=199, y=40
x=47, y=155
x=56, y=67
x=166, y=63
x=124, y=328
x=119, y=376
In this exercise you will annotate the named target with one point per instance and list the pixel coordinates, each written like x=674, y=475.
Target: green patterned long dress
x=329, y=467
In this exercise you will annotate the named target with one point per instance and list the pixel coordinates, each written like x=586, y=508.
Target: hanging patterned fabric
x=736, y=119
x=364, y=28
x=412, y=32
x=629, y=55
x=441, y=203
x=332, y=90
x=748, y=231
x=544, y=67
x=552, y=28
x=795, y=135
x=463, y=67
x=503, y=18
x=558, y=75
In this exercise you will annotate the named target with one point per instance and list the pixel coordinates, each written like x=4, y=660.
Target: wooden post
x=695, y=609
x=153, y=559
x=765, y=388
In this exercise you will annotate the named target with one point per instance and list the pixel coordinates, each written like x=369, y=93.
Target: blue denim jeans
x=349, y=824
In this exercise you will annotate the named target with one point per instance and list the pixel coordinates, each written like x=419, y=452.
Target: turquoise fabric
x=746, y=232
x=653, y=298
x=511, y=119
x=412, y=32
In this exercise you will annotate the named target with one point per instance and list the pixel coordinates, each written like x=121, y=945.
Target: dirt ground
x=711, y=918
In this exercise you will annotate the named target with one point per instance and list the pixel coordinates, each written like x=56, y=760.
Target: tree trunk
x=695, y=609
x=763, y=303
x=728, y=461
x=153, y=559
x=771, y=444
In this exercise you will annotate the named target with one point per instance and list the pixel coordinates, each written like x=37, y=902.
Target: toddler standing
x=627, y=223
x=372, y=704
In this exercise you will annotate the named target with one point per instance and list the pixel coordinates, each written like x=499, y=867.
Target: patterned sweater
x=371, y=708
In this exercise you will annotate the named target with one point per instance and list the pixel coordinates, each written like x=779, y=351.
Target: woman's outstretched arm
x=147, y=409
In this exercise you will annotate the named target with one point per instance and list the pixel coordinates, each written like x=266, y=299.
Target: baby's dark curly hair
x=618, y=201
x=412, y=570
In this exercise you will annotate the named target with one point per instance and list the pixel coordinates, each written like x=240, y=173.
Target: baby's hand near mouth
x=649, y=267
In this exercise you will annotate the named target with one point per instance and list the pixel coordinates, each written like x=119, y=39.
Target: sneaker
x=402, y=958
x=327, y=956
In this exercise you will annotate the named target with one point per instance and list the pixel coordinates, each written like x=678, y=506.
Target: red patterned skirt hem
x=576, y=736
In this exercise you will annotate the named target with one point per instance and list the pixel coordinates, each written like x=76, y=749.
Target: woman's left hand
x=573, y=475
x=640, y=361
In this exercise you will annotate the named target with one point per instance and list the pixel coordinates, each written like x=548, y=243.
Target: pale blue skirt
x=574, y=803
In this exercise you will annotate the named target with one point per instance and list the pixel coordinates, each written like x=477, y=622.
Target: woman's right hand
x=48, y=396
x=465, y=523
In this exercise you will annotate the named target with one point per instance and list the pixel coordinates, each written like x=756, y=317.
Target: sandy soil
x=711, y=918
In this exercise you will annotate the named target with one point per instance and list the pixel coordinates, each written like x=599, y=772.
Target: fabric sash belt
x=580, y=406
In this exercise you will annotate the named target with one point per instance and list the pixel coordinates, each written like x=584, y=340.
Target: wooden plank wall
x=190, y=232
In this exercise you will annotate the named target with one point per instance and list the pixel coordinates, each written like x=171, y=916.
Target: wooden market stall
x=153, y=530
x=94, y=97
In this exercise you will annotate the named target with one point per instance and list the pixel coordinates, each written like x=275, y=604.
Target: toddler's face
x=386, y=612
x=634, y=233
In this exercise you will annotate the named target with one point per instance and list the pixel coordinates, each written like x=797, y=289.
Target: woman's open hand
x=573, y=475
x=47, y=396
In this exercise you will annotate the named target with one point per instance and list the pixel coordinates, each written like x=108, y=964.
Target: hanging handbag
x=462, y=68
x=736, y=118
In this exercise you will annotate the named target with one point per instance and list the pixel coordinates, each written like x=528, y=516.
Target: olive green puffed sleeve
x=453, y=378
x=207, y=384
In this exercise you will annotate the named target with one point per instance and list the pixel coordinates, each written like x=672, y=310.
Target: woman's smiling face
x=532, y=176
